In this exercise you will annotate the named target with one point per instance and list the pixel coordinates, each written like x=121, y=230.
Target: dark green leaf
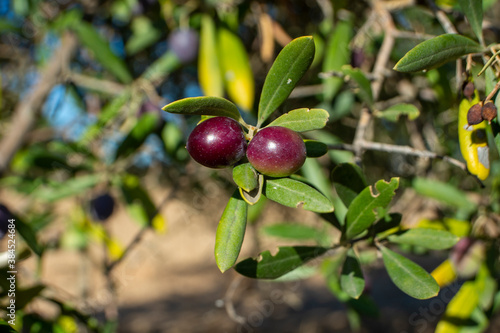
x=349, y=181
x=136, y=137
x=388, y=222
x=5, y=327
x=207, y=105
x=443, y=192
x=230, y=232
x=436, y=51
x=337, y=54
x=315, y=148
x=292, y=231
x=364, y=90
x=288, y=68
x=25, y=296
x=408, y=276
x=394, y=112
x=302, y=120
x=29, y=236
x=473, y=10
x=429, y=238
x=293, y=193
x=351, y=278
x=92, y=40
x=245, y=176
x=362, y=210
x=286, y=260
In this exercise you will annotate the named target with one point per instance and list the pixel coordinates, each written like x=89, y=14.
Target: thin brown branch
x=25, y=113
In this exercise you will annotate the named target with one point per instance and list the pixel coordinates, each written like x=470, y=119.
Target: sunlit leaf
x=288, y=68
x=73, y=186
x=293, y=193
x=230, y=232
x=209, y=71
x=236, y=70
x=269, y=266
x=245, y=176
x=302, y=120
x=408, y=276
x=435, y=52
x=292, y=231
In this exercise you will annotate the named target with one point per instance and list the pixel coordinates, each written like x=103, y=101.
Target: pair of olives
x=220, y=142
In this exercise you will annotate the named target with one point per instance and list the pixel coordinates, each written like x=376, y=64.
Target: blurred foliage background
x=92, y=169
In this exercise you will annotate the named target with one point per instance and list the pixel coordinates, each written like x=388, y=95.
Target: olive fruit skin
x=184, y=43
x=276, y=151
x=101, y=207
x=217, y=143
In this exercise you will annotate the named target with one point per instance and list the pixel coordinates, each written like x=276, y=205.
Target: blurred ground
x=170, y=282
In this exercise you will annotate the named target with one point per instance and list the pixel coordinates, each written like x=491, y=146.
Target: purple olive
x=276, y=151
x=5, y=215
x=102, y=206
x=217, y=142
x=184, y=43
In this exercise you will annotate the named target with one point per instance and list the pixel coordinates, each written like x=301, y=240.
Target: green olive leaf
x=362, y=211
x=288, y=68
x=429, y=238
x=136, y=137
x=230, y=232
x=293, y=193
x=245, y=176
x=349, y=181
x=473, y=10
x=205, y=105
x=302, y=120
x=408, y=276
x=394, y=112
x=351, y=278
x=436, y=51
x=268, y=266
x=315, y=148
x=253, y=196
x=364, y=91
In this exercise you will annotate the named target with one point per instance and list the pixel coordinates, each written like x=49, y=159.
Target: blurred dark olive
x=5, y=215
x=101, y=207
x=357, y=57
x=184, y=43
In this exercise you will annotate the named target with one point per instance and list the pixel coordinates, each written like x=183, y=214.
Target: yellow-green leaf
x=209, y=72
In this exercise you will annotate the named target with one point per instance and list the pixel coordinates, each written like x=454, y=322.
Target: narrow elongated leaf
x=429, y=238
x=351, y=278
x=408, y=276
x=230, y=232
x=364, y=91
x=362, y=210
x=29, y=236
x=349, y=181
x=459, y=309
x=337, y=54
x=209, y=71
x=245, y=176
x=208, y=106
x=93, y=41
x=288, y=68
x=302, y=120
x=443, y=192
x=70, y=187
x=292, y=231
x=161, y=67
x=293, y=193
x=473, y=10
x=394, y=112
x=435, y=52
x=136, y=137
x=286, y=260
x=236, y=71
